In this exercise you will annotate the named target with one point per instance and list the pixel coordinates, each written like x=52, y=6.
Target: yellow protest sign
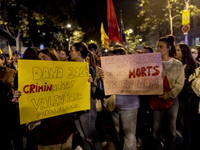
x=185, y=17
x=52, y=88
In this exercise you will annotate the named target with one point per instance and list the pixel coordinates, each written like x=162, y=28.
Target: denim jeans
x=85, y=125
x=127, y=119
x=168, y=117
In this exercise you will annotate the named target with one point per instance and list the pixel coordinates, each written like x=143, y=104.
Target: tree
x=14, y=19
x=163, y=14
x=52, y=17
x=77, y=36
x=133, y=41
x=24, y=18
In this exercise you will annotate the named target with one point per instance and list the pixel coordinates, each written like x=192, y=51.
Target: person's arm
x=16, y=81
x=179, y=83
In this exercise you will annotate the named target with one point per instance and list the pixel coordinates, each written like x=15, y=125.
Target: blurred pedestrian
x=55, y=132
x=147, y=49
x=64, y=55
x=174, y=71
x=26, y=136
x=7, y=109
x=93, y=48
x=195, y=55
x=85, y=122
x=16, y=56
x=183, y=54
x=98, y=95
x=144, y=118
x=125, y=115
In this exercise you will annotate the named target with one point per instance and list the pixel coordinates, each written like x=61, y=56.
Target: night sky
x=92, y=12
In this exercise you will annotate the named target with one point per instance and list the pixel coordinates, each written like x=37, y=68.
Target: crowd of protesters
x=134, y=122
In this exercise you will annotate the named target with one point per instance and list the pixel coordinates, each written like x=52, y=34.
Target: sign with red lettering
x=137, y=74
x=52, y=88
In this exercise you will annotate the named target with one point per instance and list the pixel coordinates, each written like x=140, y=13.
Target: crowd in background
x=134, y=120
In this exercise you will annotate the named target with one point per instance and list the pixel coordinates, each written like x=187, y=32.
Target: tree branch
x=176, y=16
x=6, y=30
x=19, y=32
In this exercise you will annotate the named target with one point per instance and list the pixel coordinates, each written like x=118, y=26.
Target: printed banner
x=52, y=88
x=137, y=74
x=185, y=17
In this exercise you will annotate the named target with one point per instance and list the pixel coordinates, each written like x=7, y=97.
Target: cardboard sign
x=52, y=88
x=137, y=74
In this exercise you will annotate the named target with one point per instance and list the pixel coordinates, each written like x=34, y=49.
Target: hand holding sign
x=138, y=74
x=52, y=88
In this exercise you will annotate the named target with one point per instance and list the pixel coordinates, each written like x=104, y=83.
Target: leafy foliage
x=163, y=14
x=25, y=18
x=14, y=19
x=132, y=41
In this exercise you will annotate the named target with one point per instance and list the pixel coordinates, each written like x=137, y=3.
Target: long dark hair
x=186, y=55
x=170, y=41
x=82, y=47
x=92, y=61
x=50, y=52
x=31, y=53
x=119, y=51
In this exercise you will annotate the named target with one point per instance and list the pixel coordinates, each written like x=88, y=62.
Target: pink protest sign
x=137, y=74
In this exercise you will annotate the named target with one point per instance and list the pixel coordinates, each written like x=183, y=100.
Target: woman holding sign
x=124, y=114
x=55, y=132
x=173, y=72
x=85, y=122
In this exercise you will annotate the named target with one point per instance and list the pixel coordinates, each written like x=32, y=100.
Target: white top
x=168, y=63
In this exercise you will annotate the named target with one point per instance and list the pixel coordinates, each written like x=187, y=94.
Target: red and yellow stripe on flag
x=104, y=38
x=10, y=52
x=1, y=51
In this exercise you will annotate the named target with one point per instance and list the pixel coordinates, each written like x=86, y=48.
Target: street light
x=69, y=25
x=140, y=40
x=131, y=30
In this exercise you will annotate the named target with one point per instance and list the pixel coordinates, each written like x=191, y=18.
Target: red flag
x=113, y=28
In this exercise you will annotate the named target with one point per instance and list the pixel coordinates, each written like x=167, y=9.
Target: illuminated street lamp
x=131, y=30
x=106, y=50
x=69, y=25
x=140, y=40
